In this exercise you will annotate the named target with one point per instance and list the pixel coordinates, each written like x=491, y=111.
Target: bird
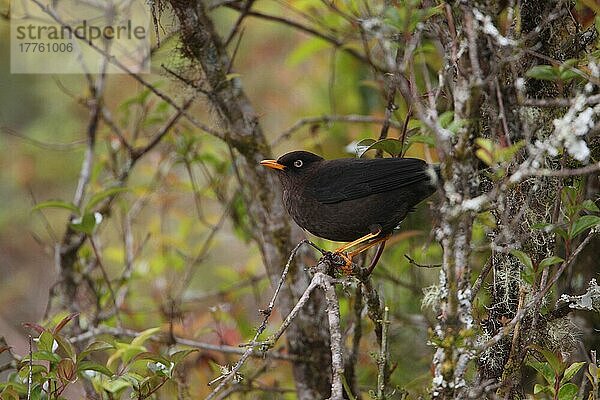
x=355, y=200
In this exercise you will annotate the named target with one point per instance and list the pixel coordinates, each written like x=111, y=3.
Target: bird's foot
x=343, y=262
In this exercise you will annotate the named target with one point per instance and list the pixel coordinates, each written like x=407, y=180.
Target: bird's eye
x=298, y=163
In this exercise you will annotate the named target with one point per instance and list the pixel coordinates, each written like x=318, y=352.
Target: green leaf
x=65, y=370
x=583, y=223
x=391, y=146
x=93, y=366
x=561, y=232
x=64, y=321
x=542, y=226
x=571, y=371
x=546, y=262
x=523, y=258
x=426, y=139
x=85, y=224
x=45, y=342
x=143, y=336
x=555, y=362
x=178, y=356
x=98, y=197
x=65, y=346
x=43, y=355
x=545, y=370
x=116, y=385
x=590, y=206
x=485, y=156
x=568, y=392
x=93, y=347
x=543, y=72
x=446, y=118
x=363, y=146
x=148, y=356
x=540, y=388
x=57, y=204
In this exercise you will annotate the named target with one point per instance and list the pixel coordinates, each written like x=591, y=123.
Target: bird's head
x=295, y=163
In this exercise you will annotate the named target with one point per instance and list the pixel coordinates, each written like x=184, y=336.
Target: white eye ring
x=298, y=163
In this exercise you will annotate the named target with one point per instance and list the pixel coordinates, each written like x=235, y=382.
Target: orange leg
x=358, y=241
x=364, y=247
x=367, y=246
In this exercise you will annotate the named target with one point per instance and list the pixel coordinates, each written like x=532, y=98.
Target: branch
x=337, y=43
x=351, y=118
x=124, y=332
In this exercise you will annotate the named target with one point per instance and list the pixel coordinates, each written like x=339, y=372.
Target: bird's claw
x=343, y=262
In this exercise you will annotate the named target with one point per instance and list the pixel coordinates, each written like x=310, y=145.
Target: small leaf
x=98, y=197
x=543, y=72
x=35, y=327
x=485, y=156
x=65, y=370
x=65, y=346
x=554, y=361
x=178, y=356
x=57, y=204
x=545, y=370
x=540, y=388
x=542, y=226
x=446, y=118
x=363, y=146
x=116, y=385
x=561, y=232
x=93, y=366
x=583, y=223
x=64, y=321
x=46, y=342
x=143, y=336
x=590, y=206
x=546, y=262
x=43, y=355
x=9, y=393
x=391, y=146
x=523, y=258
x=95, y=346
x=571, y=371
x=150, y=356
x=568, y=391
x=85, y=224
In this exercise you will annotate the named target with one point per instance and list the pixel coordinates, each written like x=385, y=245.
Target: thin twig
x=30, y=374
x=106, y=278
x=416, y=264
x=123, y=332
x=324, y=119
x=481, y=278
x=337, y=43
x=382, y=360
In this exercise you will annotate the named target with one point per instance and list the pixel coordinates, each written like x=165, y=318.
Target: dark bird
x=352, y=199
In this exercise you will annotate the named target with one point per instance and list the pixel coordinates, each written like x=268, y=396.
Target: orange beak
x=273, y=164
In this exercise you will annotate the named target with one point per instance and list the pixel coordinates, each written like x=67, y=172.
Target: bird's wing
x=349, y=179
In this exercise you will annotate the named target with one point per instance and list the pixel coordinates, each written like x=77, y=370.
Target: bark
x=308, y=335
